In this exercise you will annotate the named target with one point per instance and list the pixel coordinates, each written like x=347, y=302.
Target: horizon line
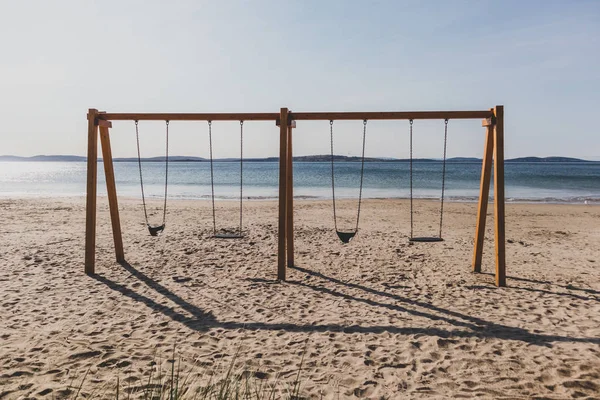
x=200, y=159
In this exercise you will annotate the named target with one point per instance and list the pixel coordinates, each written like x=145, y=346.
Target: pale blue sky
x=541, y=59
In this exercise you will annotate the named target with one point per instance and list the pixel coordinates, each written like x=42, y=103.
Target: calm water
x=556, y=182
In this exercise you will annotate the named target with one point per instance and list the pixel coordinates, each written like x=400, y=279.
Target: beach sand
x=377, y=318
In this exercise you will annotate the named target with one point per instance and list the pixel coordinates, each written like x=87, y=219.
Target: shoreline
x=470, y=200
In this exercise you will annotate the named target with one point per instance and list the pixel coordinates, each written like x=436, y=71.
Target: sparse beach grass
x=237, y=381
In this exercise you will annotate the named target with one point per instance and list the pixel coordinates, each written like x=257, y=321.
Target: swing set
x=493, y=121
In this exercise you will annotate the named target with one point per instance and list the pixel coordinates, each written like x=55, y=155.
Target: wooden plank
x=290, y=200
x=290, y=122
x=488, y=121
x=190, y=116
x=399, y=115
x=484, y=193
x=104, y=124
x=90, y=205
x=298, y=116
x=499, y=211
x=111, y=190
x=283, y=133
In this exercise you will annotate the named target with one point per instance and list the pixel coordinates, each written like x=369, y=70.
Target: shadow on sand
x=595, y=294
x=465, y=325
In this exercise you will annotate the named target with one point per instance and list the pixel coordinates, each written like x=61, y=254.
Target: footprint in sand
x=44, y=392
x=16, y=374
x=86, y=354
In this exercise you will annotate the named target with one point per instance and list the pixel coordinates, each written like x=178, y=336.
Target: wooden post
x=484, y=194
x=90, y=206
x=111, y=190
x=499, y=196
x=290, y=200
x=283, y=148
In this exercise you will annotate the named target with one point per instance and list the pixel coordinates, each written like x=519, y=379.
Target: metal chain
x=362, y=172
x=443, y=176
x=212, y=178
x=411, y=178
x=241, y=171
x=166, y=174
x=137, y=138
x=332, y=175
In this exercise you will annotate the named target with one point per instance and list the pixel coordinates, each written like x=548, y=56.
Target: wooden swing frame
x=493, y=121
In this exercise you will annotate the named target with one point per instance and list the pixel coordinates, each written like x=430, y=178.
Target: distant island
x=315, y=158
x=546, y=159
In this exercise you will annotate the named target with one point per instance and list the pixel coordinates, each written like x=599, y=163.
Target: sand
x=377, y=318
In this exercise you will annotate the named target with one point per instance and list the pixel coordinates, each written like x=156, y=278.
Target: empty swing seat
x=345, y=237
x=155, y=230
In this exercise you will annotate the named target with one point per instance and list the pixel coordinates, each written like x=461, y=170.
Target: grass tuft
x=238, y=383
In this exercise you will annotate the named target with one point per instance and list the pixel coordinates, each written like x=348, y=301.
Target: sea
x=576, y=182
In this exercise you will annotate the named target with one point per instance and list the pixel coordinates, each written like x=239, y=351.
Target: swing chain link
x=443, y=175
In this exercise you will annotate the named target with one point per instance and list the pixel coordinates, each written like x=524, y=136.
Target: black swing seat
x=426, y=239
x=346, y=237
x=155, y=230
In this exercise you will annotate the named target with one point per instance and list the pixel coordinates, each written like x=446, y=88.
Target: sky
x=540, y=59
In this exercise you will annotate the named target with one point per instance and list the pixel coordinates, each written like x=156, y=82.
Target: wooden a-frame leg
x=281, y=242
x=484, y=193
x=290, y=201
x=90, y=206
x=111, y=190
x=499, y=211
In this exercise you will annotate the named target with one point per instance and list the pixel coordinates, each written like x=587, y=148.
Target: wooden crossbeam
x=385, y=115
x=189, y=116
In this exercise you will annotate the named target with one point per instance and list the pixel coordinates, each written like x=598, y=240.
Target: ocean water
x=525, y=182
